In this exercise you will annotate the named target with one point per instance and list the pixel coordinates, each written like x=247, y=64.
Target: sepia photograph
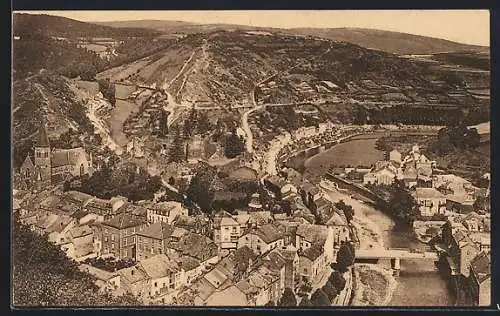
x=260, y=158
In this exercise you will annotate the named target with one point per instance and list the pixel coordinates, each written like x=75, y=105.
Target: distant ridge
x=388, y=41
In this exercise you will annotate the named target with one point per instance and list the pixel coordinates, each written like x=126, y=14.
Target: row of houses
x=467, y=241
x=434, y=193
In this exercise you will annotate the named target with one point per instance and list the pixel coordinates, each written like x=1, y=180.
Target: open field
x=120, y=113
x=359, y=152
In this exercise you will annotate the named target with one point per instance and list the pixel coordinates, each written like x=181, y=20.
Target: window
x=113, y=237
x=305, y=270
x=246, y=238
x=156, y=284
x=112, y=246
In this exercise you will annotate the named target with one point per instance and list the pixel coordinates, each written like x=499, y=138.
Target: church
x=52, y=165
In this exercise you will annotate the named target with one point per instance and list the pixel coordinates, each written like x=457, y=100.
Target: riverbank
x=374, y=285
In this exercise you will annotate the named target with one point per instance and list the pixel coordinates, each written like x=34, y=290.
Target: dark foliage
x=44, y=276
x=319, y=298
x=288, y=298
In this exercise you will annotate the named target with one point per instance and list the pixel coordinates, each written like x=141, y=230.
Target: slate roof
x=65, y=157
x=228, y=221
x=481, y=266
x=80, y=231
x=195, y=245
x=158, y=230
x=58, y=225
x=159, y=266
x=313, y=233
x=216, y=277
x=311, y=253
x=124, y=220
x=42, y=140
x=133, y=274
x=428, y=193
x=268, y=233
x=188, y=263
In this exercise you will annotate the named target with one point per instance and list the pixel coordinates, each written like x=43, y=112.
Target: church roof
x=42, y=138
x=65, y=157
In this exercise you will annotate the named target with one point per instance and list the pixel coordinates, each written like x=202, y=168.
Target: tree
x=305, y=301
x=44, y=276
x=330, y=290
x=401, y=203
x=233, y=145
x=337, y=280
x=347, y=209
x=288, y=298
x=345, y=257
x=177, y=151
x=319, y=298
x=270, y=303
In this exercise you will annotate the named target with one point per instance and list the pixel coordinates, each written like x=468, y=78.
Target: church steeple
x=42, y=139
x=42, y=154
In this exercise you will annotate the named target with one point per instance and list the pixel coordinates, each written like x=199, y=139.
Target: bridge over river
x=395, y=255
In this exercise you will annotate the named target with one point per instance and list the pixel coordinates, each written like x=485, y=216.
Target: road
x=101, y=127
x=246, y=127
x=244, y=118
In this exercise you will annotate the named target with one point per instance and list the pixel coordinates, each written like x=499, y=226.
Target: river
x=419, y=283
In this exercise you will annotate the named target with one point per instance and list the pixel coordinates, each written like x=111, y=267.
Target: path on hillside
x=102, y=129
x=244, y=118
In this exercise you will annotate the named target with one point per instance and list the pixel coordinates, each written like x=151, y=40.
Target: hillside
x=223, y=68
x=392, y=42
x=49, y=25
x=73, y=48
x=42, y=275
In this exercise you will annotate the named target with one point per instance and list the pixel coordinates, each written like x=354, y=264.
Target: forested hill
x=42, y=275
x=391, y=42
x=42, y=24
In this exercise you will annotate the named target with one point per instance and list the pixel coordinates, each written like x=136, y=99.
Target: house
x=320, y=239
x=52, y=165
x=197, y=246
x=152, y=240
x=230, y=231
x=234, y=295
x=410, y=175
x=462, y=250
x=59, y=228
x=258, y=218
x=191, y=266
x=311, y=263
x=480, y=279
x=165, y=212
x=165, y=278
x=262, y=239
x=79, y=243
x=291, y=258
x=395, y=155
x=430, y=201
x=107, y=282
x=119, y=234
x=454, y=185
x=199, y=224
x=338, y=223
x=384, y=176
x=135, y=280
x=267, y=283
x=101, y=207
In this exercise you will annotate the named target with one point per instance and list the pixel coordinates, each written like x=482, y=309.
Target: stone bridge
x=395, y=255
